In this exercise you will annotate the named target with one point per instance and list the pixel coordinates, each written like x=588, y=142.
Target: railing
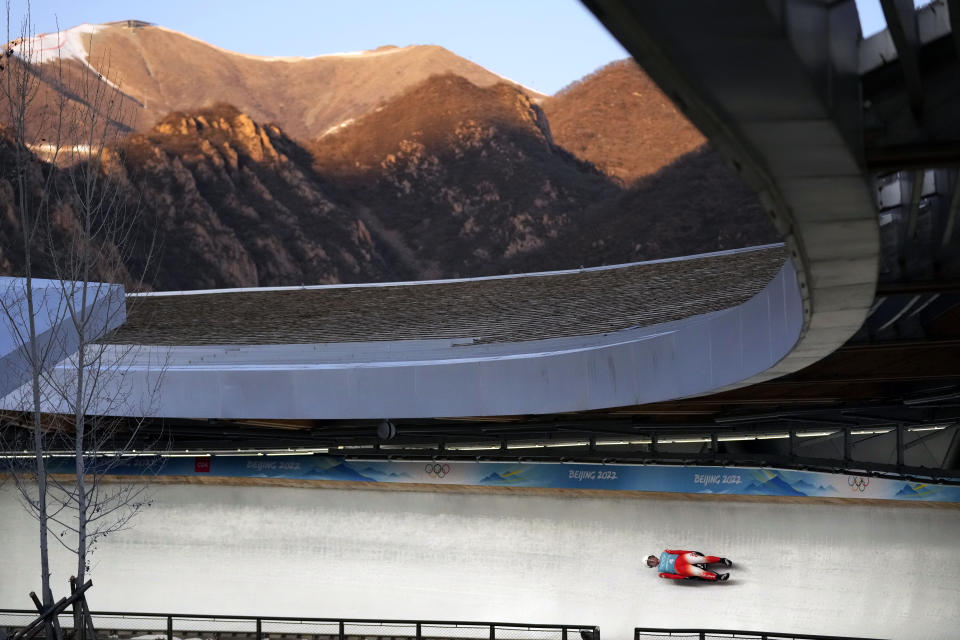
x=111, y=625
x=640, y=633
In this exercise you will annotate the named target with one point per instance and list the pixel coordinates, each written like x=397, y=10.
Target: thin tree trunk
x=81, y=486
x=20, y=88
x=79, y=432
x=27, y=226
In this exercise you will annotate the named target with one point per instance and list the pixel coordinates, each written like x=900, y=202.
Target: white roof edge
x=409, y=283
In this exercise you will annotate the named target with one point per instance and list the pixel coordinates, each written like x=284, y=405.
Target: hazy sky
x=544, y=44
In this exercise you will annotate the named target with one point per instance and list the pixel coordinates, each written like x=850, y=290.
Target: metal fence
x=113, y=625
x=648, y=633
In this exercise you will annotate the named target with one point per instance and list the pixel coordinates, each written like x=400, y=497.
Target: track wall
x=866, y=570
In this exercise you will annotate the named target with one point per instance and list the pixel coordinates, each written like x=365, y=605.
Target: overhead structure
x=775, y=88
x=538, y=343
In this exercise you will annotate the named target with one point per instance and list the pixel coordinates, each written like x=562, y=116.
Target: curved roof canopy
x=534, y=343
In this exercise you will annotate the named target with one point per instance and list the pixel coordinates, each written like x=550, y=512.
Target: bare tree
x=92, y=382
x=79, y=214
x=31, y=190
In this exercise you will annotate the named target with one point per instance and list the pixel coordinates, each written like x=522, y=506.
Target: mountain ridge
x=160, y=70
x=447, y=173
x=588, y=118
x=469, y=174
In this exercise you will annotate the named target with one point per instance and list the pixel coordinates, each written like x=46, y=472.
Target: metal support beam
x=900, y=447
x=847, y=445
x=923, y=438
x=902, y=23
x=916, y=194
x=953, y=7
x=954, y=205
x=950, y=449
x=899, y=314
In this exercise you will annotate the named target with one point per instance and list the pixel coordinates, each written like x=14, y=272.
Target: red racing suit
x=678, y=564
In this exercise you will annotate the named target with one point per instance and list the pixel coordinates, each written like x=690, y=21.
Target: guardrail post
x=563, y=634
x=596, y=633
x=259, y=629
x=493, y=633
x=703, y=635
x=418, y=631
x=900, y=447
x=341, y=630
x=169, y=627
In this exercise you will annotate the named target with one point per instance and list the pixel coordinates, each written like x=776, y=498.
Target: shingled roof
x=509, y=309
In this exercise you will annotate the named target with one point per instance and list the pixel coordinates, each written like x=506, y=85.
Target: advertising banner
x=744, y=481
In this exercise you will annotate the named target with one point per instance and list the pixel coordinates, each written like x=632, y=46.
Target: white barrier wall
x=884, y=572
x=430, y=378
x=56, y=337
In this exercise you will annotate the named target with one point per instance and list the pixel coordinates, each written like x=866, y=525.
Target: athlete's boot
x=723, y=577
x=726, y=562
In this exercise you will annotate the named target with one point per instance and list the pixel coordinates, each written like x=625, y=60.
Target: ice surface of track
x=886, y=572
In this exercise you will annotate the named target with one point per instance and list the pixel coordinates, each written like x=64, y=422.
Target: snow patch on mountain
x=337, y=127
x=365, y=54
x=536, y=95
x=348, y=54
x=372, y=53
x=69, y=44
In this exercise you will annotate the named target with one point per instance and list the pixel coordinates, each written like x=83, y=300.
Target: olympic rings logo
x=857, y=483
x=436, y=470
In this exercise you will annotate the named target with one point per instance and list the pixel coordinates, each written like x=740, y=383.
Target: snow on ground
x=385, y=51
x=537, y=95
x=72, y=43
x=337, y=127
x=365, y=54
x=69, y=44
x=348, y=54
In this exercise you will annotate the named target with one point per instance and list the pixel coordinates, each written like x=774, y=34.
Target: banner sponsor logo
x=658, y=478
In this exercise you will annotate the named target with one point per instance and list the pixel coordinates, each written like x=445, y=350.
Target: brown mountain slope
x=58, y=228
x=463, y=176
x=235, y=204
x=693, y=205
x=619, y=120
x=163, y=71
x=226, y=202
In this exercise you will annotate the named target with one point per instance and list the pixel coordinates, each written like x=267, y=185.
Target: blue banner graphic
x=743, y=481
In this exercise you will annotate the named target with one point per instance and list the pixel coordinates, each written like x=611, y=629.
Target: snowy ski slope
x=886, y=572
